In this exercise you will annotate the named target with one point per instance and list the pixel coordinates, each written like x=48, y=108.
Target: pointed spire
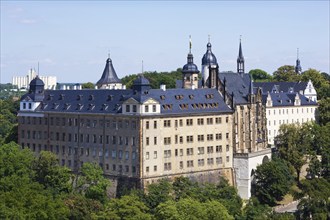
x=240, y=58
x=298, y=66
x=109, y=75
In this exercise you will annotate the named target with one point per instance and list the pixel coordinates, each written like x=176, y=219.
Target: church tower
x=210, y=68
x=240, y=59
x=190, y=72
x=109, y=78
x=298, y=67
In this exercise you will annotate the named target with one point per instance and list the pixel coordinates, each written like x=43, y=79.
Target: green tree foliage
x=158, y=193
x=272, y=181
x=50, y=174
x=8, y=120
x=293, y=143
x=22, y=197
x=127, y=207
x=88, y=85
x=286, y=73
x=156, y=79
x=324, y=111
x=315, y=202
x=320, y=82
x=92, y=183
x=259, y=75
x=254, y=210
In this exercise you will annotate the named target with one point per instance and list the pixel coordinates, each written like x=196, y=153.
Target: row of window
x=88, y=123
x=83, y=138
x=115, y=154
x=190, y=163
x=286, y=111
x=292, y=121
x=189, y=138
x=190, y=122
x=117, y=168
x=147, y=108
x=189, y=151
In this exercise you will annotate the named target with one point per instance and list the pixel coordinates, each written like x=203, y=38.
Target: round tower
x=209, y=63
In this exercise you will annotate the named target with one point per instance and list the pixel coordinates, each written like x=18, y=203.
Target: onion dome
x=209, y=58
x=36, y=85
x=190, y=67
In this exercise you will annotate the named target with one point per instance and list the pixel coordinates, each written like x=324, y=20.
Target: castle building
x=23, y=81
x=136, y=135
x=109, y=78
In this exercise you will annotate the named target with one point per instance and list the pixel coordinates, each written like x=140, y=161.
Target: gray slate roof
x=172, y=101
x=109, y=74
x=287, y=99
x=280, y=86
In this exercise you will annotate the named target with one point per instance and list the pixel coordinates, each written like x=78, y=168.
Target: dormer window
x=79, y=106
x=91, y=97
x=110, y=97
x=67, y=106
x=104, y=106
x=91, y=106
x=79, y=97
x=30, y=105
x=162, y=97
x=191, y=96
x=153, y=108
x=134, y=108
x=62, y=97
x=146, y=108
x=24, y=105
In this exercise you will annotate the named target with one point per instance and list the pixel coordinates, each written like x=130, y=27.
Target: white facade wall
x=276, y=116
x=24, y=81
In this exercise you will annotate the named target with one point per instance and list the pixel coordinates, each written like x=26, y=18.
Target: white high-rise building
x=23, y=81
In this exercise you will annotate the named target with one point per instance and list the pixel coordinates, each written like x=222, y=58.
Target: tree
x=50, y=174
x=158, y=193
x=320, y=82
x=286, y=73
x=272, y=181
x=184, y=188
x=254, y=210
x=92, y=183
x=88, y=85
x=127, y=207
x=293, y=142
x=324, y=111
x=315, y=202
x=259, y=75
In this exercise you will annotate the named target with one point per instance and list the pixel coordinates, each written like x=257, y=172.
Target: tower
x=190, y=72
x=240, y=59
x=298, y=67
x=109, y=78
x=209, y=67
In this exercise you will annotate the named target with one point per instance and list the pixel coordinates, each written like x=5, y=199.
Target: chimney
x=163, y=87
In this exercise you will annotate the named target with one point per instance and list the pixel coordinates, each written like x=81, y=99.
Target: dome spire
x=109, y=75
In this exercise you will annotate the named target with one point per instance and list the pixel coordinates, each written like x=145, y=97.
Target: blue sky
x=71, y=39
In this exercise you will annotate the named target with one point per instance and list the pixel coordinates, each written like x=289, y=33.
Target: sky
x=72, y=39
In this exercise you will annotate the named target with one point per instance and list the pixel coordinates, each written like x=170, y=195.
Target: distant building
x=24, y=81
x=287, y=103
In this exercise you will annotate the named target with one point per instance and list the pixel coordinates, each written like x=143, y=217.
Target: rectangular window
x=113, y=154
x=181, y=152
x=181, y=164
x=155, y=140
x=167, y=153
x=200, y=162
x=227, y=159
x=189, y=122
x=210, y=137
x=153, y=108
x=155, y=124
x=155, y=168
x=218, y=120
x=134, y=108
x=181, y=140
x=167, y=123
x=155, y=154
x=147, y=140
x=227, y=135
x=190, y=163
x=190, y=139
x=209, y=121
x=190, y=151
x=227, y=119
x=147, y=155
x=218, y=160
x=147, y=169
x=210, y=149
x=180, y=122
x=218, y=136
x=218, y=148
x=167, y=166
x=200, y=138
x=200, y=121
x=146, y=108
x=227, y=147
x=210, y=161
x=167, y=140
x=200, y=150
x=147, y=124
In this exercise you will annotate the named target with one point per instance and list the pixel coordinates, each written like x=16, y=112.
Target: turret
x=109, y=79
x=190, y=72
x=240, y=59
x=209, y=67
x=298, y=67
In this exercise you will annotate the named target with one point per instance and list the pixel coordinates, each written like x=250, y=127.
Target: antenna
x=38, y=68
x=142, y=67
x=297, y=53
x=240, y=38
x=209, y=38
x=109, y=54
